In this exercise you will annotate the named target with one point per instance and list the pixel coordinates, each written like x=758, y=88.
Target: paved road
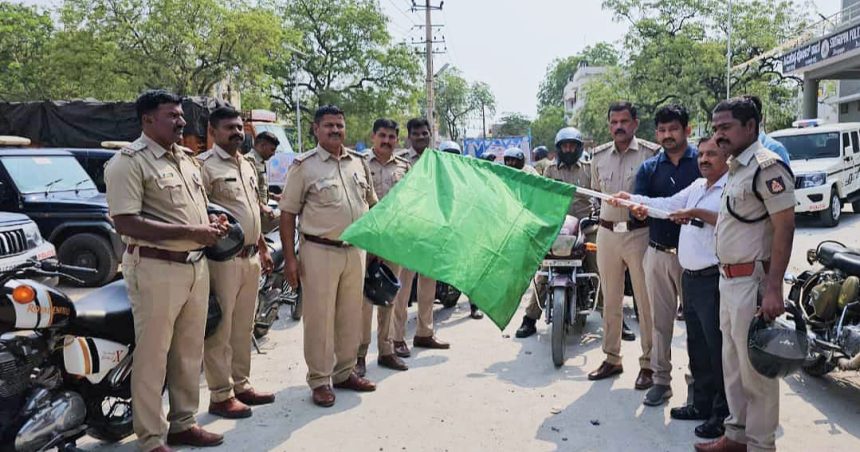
x=494, y=392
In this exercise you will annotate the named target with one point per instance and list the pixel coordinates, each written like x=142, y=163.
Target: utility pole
x=729, y=56
x=429, y=79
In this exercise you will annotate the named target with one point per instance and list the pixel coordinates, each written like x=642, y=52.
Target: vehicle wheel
x=109, y=418
x=91, y=251
x=830, y=216
x=819, y=366
x=559, y=324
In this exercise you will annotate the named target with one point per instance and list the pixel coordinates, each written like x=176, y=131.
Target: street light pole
x=729, y=56
x=298, y=106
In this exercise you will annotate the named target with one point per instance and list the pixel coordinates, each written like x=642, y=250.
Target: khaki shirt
x=613, y=171
x=262, y=177
x=411, y=155
x=231, y=182
x=542, y=165
x=328, y=193
x=580, y=175
x=739, y=242
x=528, y=169
x=386, y=174
x=158, y=184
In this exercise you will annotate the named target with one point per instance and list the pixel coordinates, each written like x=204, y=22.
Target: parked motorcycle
x=571, y=293
x=65, y=368
x=274, y=290
x=829, y=303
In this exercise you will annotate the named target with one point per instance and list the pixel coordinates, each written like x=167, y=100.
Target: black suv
x=52, y=188
x=94, y=161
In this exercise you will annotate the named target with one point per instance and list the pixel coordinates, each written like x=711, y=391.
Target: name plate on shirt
x=561, y=263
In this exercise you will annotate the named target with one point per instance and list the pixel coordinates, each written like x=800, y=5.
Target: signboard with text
x=823, y=49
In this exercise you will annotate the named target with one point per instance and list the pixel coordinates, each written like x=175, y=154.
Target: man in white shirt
x=696, y=208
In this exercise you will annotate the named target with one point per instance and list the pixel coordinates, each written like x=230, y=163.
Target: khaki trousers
x=426, y=298
x=169, y=302
x=753, y=398
x=384, y=320
x=332, y=290
x=663, y=273
x=227, y=353
x=615, y=251
x=534, y=309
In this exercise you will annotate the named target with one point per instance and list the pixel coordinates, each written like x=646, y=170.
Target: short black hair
x=757, y=101
x=150, y=100
x=267, y=136
x=742, y=108
x=621, y=106
x=385, y=123
x=704, y=139
x=416, y=123
x=222, y=113
x=673, y=112
x=327, y=110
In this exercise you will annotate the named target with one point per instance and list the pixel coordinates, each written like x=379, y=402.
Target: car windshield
x=47, y=173
x=279, y=132
x=812, y=146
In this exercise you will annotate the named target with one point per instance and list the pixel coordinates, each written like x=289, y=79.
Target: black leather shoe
x=476, y=313
x=626, y=333
x=527, y=328
x=687, y=413
x=712, y=428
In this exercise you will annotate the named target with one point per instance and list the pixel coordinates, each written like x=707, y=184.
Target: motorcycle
x=65, y=368
x=828, y=300
x=572, y=293
x=274, y=290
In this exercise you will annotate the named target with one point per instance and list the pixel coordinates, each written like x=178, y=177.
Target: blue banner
x=477, y=147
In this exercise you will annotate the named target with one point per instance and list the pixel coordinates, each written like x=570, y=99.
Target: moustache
x=334, y=134
x=237, y=137
x=619, y=132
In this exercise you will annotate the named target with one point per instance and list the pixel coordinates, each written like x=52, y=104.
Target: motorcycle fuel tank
x=44, y=308
x=91, y=357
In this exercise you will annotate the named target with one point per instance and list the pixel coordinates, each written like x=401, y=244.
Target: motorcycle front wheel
x=109, y=418
x=559, y=324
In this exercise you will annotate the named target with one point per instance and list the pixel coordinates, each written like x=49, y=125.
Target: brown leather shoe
x=356, y=383
x=196, y=437
x=392, y=362
x=605, y=370
x=360, y=366
x=401, y=349
x=254, y=397
x=231, y=408
x=323, y=396
x=161, y=449
x=430, y=342
x=721, y=445
x=645, y=379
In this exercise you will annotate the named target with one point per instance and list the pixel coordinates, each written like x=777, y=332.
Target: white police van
x=825, y=159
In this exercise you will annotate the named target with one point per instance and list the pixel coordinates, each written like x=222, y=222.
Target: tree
x=558, y=73
x=454, y=103
x=512, y=125
x=546, y=125
x=484, y=99
x=347, y=58
x=25, y=32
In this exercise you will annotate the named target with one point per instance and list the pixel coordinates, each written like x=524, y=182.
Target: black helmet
x=776, y=351
x=380, y=284
x=540, y=153
x=213, y=316
x=232, y=243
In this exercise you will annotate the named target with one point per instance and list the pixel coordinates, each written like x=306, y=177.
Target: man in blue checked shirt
x=696, y=208
x=664, y=175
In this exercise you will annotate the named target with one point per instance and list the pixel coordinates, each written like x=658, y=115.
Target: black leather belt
x=663, y=248
x=248, y=251
x=326, y=242
x=713, y=270
x=623, y=226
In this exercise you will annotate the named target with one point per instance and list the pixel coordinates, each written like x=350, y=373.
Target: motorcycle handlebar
x=54, y=266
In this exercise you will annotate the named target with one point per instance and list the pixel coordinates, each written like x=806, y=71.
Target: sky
x=509, y=43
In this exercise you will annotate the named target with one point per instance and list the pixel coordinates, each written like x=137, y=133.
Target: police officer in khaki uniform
x=231, y=182
x=328, y=188
x=158, y=203
x=265, y=145
x=754, y=236
x=621, y=241
x=567, y=168
x=419, y=137
x=386, y=169
x=544, y=158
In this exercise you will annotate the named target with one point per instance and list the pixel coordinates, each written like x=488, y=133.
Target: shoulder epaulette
x=402, y=159
x=202, y=157
x=355, y=153
x=602, y=148
x=134, y=147
x=765, y=158
x=297, y=160
x=653, y=147
x=250, y=158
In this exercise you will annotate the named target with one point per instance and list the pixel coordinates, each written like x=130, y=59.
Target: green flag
x=480, y=227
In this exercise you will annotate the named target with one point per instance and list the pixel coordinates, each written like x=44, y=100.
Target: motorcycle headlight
x=32, y=235
x=812, y=180
x=563, y=245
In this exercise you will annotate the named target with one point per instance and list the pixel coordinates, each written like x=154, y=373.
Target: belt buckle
x=620, y=227
x=193, y=256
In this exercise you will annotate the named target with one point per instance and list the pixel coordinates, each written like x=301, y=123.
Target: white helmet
x=568, y=134
x=515, y=153
x=450, y=146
